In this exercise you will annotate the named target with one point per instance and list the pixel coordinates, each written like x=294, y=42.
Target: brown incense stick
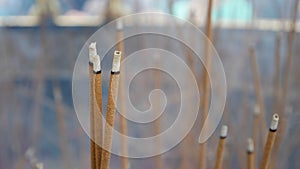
x=92, y=126
x=221, y=145
x=123, y=122
x=206, y=81
x=111, y=109
x=97, y=105
x=270, y=142
x=250, y=154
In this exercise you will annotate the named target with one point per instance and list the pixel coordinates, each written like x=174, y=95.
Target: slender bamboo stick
x=258, y=90
x=270, y=142
x=40, y=88
x=290, y=41
x=62, y=128
x=157, y=123
x=184, y=154
x=250, y=154
x=84, y=159
x=285, y=86
x=276, y=91
x=184, y=151
x=92, y=125
x=255, y=133
x=111, y=109
x=119, y=27
x=206, y=81
x=221, y=145
x=97, y=106
x=287, y=70
x=123, y=109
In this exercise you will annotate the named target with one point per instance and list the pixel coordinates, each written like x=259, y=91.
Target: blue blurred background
x=41, y=39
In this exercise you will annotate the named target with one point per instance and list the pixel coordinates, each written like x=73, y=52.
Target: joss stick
x=111, y=109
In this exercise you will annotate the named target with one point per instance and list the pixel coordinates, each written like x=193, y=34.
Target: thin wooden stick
x=276, y=92
x=62, y=127
x=40, y=88
x=111, y=109
x=206, y=82
x=250, y=154
x=157, y=123
x=287, y=70
x=258, y=90
x=123, y=109
x=255, y=133
x=291, y=37
x=97, y=106
x=184, y=151
x=92, y=125
x=270, y=142
x=119, y=27
x=221, y=145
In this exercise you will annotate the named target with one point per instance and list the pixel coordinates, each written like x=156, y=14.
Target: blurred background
x=41, y=39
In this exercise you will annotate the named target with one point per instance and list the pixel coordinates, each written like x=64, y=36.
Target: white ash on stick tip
x=92, y=52
x=39, y=165
x=97, y=64
x=224, y=131
x=274, y=122
x=250, y=145
x=119, y=25
x=256, y=110
x=116, y=62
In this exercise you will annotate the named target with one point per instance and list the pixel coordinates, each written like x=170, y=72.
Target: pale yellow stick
x=255, y=134
x=258, y=91
x=184, y=152
x=276, y=92
x=123, y=122
x=221, y=145
x=250, y=154
x=206, y=86
x=62, y=128
x=287, y=72
x=111, y=109
x=270, y=142
x=157, y=124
